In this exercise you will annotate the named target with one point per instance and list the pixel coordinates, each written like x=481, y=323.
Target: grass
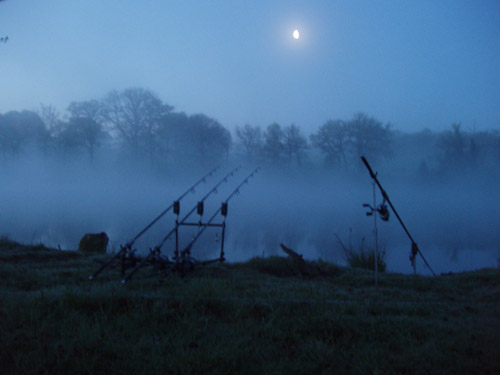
x=260, y=316
x=363, y=258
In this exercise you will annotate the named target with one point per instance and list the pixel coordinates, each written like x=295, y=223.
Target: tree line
x=136, y=124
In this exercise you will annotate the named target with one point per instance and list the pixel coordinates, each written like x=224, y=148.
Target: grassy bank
x=258, y=317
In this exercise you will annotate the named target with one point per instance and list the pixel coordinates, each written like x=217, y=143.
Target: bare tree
x=367, y=136
x=251, y=138
x=135, y=115
x=273, y=142
x=51, y=118
x=332, y=140
x=453, y=146
x=294, y=143
x=92, y=109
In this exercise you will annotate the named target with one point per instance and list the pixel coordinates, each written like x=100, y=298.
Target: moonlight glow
x=296, y=34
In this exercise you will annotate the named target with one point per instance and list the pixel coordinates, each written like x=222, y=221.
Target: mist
x=143, y=99
x=453, y=220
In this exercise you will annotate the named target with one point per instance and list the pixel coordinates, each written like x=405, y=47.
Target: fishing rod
x=223, y=210
x=175, y=205
x=199, y=207
x=176, y=202
x=414, y=247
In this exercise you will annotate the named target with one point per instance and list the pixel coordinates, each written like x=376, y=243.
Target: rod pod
x=223, y=210
x=158, y=247
x=128, y=246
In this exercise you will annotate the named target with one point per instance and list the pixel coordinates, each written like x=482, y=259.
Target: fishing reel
x=382, y=210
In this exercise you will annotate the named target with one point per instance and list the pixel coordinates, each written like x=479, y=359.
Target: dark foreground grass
x=259, y=317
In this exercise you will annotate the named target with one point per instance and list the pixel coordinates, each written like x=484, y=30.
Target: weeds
x=363, y=258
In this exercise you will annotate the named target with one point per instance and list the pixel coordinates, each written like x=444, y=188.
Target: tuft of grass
x=366, y=259
x=362, y=258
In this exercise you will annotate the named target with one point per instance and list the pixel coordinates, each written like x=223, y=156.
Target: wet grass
x=261, y=317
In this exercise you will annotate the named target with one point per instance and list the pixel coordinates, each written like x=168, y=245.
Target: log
x=304, y=268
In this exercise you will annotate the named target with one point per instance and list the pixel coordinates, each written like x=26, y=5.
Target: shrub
x=94, y=243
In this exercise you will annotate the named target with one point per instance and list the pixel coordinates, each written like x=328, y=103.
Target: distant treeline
x=136, y=124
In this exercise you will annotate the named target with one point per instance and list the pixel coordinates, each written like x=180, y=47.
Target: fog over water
x=454, y=222
x=110, y=110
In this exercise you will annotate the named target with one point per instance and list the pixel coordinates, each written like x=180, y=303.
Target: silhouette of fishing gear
x=384, y=213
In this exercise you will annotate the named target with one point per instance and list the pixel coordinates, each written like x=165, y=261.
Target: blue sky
x=414, y=64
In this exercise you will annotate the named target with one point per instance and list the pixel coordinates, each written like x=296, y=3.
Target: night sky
x=414, y=64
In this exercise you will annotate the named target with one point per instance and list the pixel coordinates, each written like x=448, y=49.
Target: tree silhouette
x=294, y=143
x=210, y=140
x=367, y=136
x=135, y=115
x=273, y=142
x=251, y=138
x=332, y=139
x=92, y=109
x=81, y=132
x=20, y=131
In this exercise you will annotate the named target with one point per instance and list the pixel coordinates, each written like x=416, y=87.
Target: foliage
x=21, y=131
x=210, y=139
x=196, y=138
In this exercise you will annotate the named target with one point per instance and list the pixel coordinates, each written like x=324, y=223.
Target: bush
x=94, y=243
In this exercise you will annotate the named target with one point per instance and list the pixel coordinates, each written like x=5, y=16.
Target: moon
x=296, y=34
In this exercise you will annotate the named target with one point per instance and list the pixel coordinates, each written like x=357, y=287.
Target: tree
x=332, y=140
x=10, y=138
x=210, y=139
x=81, y=132
x=85, y=126
x=367, y=136
x=452, y=144
x=273, y=142
x=294, y=143
x=251, y=138
x=172, y=134
x=92, y=109
x=135, y=115
x=50, y=117
x=53, y=123
x=20, y=131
